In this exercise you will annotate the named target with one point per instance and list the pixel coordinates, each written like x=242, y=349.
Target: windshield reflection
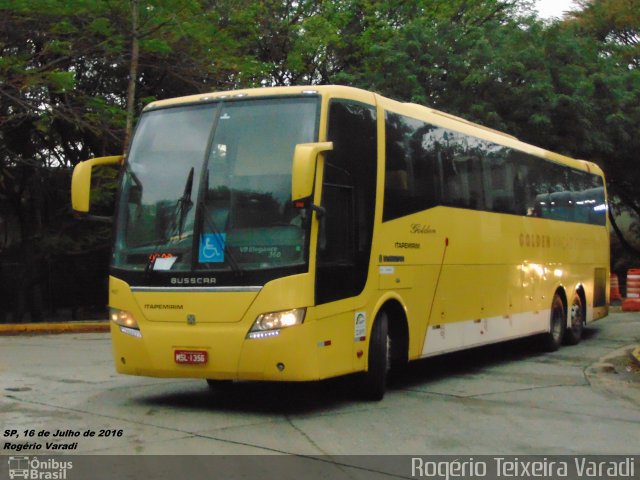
x=193, y=201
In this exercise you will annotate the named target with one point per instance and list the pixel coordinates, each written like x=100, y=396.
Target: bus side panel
x=409, y=253
x=418, y=300
x=291, y=356
x=341, y=334
x=498, y=276
x=476, y=305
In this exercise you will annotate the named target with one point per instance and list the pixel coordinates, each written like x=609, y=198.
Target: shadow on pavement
x=313, y=397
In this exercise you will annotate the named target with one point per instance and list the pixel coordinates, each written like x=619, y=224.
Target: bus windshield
x=208, y=187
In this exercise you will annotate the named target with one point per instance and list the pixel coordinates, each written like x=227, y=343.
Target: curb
x=53, y=328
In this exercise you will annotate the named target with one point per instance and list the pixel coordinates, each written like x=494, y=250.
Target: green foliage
x=63, y=86
x=612, y=96
x=572, y=85
x=60, y=82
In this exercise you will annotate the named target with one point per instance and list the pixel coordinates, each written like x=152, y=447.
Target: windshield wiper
x=183, y=205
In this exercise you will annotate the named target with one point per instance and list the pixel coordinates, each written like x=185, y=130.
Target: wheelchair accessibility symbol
x=212, y=247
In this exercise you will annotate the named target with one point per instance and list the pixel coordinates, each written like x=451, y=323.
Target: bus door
x=345, y=230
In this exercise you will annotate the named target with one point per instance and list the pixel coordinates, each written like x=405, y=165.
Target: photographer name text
x=514, y=467
x=56, y=439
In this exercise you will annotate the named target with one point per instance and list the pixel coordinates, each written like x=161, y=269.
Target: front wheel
x=573, y=334
x=552, y=340
x=374, y=380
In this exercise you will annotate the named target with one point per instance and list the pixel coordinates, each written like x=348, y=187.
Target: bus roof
x=420, y=112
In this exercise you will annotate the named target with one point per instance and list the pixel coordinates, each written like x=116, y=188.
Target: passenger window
x=428, y=166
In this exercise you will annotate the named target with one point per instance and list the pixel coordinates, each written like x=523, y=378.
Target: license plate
x=191, y=357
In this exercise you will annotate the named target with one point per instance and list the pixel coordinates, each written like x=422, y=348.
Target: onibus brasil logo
x=34, y=468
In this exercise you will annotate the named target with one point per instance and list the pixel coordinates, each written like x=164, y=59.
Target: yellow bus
x=303, y=233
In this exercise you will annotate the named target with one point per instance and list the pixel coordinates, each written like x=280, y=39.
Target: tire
x=552, y=340
x=398, y=353
x=575, y=327
x=374, y=380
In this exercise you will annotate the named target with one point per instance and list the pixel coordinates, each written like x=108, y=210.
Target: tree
x=570, y=86
x=75, y=74
x=64, y=78
x=614, y=27
x=615, y=24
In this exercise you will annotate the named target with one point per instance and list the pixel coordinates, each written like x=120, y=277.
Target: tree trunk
x=133, y=74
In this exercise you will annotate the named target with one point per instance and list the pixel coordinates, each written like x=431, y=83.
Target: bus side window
x=412, y=179
x=500, y=183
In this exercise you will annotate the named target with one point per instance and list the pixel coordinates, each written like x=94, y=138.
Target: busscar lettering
x=193, y=281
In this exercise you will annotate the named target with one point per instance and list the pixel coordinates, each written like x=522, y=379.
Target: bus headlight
x=125, y=320
x=268, y=324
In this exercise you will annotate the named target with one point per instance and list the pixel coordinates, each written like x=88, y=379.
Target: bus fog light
x=276, y=320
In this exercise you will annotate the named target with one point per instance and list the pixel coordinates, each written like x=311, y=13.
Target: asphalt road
x=506, y=399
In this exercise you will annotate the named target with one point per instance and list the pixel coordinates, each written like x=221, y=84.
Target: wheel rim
x=576, y=317
x=556, y=324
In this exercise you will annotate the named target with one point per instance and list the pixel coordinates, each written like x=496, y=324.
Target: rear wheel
x=374, y=380
x=552, y=340
x=573, y=334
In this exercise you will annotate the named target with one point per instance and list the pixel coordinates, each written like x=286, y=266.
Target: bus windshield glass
x=208, y=187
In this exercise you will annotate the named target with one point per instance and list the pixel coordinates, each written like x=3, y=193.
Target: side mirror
x=81, y=181
x=304, y=168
